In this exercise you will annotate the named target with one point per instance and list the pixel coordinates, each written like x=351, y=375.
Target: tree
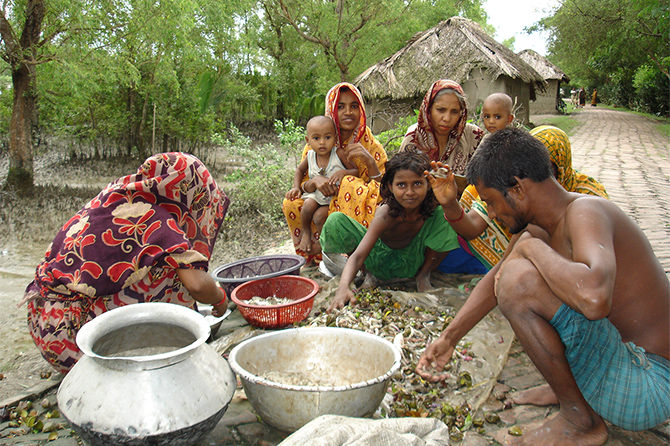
x=23, y=52
x=605, y=43
x=344, y=29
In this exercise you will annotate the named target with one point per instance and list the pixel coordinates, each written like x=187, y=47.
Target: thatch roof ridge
x=543, y=65
x=468, y=48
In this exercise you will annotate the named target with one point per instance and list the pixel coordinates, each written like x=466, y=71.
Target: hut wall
x=383, y=113
x=546, y=101
x=480, y=85
x=477, y=88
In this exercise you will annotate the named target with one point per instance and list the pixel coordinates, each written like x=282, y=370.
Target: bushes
x=652, y=90
x=392, y=138
x=258, y=186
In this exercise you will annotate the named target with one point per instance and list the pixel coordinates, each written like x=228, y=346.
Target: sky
x=509, y=18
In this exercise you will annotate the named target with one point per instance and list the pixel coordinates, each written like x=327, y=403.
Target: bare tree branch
x=12, y=48
x=287, y=15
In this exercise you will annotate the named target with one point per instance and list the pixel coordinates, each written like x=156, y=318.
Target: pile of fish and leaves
x=412, y=320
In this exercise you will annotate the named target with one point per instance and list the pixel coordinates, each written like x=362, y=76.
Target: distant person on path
x=357, y=195
x=594, y=98
x=581, y=288
x=442, y=131
x=405, y=236
x=321, y=160
x=487, y=238
x=146, y=237
x=582, y=97
x=574, y=97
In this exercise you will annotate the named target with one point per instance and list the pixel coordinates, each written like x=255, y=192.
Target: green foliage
x=509, y=43
x=262, y=182
x=653, y=90
x=291, y=138
x=608, y=44
x=392, y=137
x=103, y=67
x=290, y=134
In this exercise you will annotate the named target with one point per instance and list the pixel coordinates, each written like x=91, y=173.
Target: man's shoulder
x=591, y=206
x=581, y=201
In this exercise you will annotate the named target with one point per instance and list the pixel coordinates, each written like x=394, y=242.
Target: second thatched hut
x=548, y=100
x=457, y=49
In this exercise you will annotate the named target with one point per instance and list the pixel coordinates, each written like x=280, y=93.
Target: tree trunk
x=20, y=54
x=20, y=175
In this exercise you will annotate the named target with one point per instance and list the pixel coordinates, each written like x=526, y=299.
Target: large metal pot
x=147, y=377
x=343, y=372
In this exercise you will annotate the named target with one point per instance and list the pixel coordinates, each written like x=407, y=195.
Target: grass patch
x=653, y=117
x=566, y=123
x=664, y=129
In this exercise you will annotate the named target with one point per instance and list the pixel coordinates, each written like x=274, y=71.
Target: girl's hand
x=444, y=187
x=293, y=193
x=323, y=185
x=342, y=297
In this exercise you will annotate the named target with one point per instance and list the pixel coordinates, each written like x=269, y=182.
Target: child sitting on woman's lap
x=321, y=160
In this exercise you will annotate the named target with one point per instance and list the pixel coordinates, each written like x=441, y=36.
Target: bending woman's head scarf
x=167, y=215
x=557, y=143
x=332, y=100
x=424, y=136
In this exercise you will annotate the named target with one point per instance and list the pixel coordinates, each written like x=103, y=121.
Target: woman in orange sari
x=356, y=196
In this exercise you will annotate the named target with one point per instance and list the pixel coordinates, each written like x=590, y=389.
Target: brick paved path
x=626, y=153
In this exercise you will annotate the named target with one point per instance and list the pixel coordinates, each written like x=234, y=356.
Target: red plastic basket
x=297, y=288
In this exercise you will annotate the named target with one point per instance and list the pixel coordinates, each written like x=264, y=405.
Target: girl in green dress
x=407, y=237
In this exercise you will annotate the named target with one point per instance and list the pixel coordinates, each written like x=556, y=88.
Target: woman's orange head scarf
x=332, y=100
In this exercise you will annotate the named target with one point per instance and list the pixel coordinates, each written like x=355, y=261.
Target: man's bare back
x=581, y=287
x=641, y=289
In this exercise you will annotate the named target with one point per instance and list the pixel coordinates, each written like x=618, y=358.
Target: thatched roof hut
x=546, y=101
x=457, y=49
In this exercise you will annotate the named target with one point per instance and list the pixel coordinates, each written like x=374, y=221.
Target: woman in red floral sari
x=146, y=237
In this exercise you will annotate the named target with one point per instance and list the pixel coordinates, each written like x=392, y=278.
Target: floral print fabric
x=124, y=246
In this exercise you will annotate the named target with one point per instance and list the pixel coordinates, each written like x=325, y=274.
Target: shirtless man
x=583, y=291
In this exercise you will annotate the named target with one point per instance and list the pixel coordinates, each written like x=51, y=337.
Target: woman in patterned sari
x=355, y=196
x=488, y=238
x=442, y=130
x=146, y=237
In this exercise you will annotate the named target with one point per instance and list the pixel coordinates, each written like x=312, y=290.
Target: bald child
x=497, y=112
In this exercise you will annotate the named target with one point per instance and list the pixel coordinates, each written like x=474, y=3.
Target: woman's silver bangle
x=374, y=177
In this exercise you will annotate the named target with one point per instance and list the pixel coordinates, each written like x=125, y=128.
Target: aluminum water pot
x=147, y=376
